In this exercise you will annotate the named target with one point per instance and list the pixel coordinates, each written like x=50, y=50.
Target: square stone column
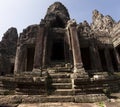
x=117, y=59
x=17, y=60
x=20, y=59
x=44, y=60
x=39, y=49
x=108, y=60
x=78, y=65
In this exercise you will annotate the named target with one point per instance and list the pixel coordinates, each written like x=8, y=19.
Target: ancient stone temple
x=59, y=60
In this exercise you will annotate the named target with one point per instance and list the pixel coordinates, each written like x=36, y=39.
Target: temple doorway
x=58, y=51
x=30, y=58
x=12, y=68
x=85, y=53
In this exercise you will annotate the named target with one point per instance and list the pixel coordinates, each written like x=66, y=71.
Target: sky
x=22, y=13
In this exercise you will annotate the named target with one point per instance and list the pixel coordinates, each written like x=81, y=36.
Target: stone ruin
x=59, y=60
x=8, y=47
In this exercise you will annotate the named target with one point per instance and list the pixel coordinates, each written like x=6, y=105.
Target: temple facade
x=59, y=40
x=62, y=61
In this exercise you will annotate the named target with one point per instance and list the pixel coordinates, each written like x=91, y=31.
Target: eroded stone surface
x=8, y=51
x=101, y=22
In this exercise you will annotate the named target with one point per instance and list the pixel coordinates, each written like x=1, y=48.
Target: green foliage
x=11, y=92
x=101, y=104
x=107, y=91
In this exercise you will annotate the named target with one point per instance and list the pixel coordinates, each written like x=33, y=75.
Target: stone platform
x=58, y=86
x=108, y=103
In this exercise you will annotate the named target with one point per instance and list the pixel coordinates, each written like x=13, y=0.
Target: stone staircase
x=2, y=91
x=30, y=83
x=99, y=83
x=57, y=87
x=60, y=87
x=6, y=85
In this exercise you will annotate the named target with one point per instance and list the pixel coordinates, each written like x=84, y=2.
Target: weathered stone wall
x=101, y=22
x=99, y=30
x=101, y=34
x=115, y=34
x=107, y=25
x=28, y=36
x=26, y=40
x=8, y=51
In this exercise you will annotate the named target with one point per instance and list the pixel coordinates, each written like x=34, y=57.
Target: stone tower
x=54, y=42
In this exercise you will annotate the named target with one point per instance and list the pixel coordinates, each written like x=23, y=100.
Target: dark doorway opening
x=102, y=59
x=12, y=68
x=113, y=59
x=58, y=50
x=30, y=58
x=85, y=53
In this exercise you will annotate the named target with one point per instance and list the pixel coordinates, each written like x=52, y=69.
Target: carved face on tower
x=57, y=13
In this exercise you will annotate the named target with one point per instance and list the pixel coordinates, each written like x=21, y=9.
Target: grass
x=101, y=104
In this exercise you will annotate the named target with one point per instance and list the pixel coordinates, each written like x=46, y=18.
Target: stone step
x=87, y=86
x=30, y=91
x=60, y=75
x=15, y=99
x=68, y=92
x=62, y=92
x=63, y=70
x=89, y=98
x=1, y=85
x=24, y=86
x=89, y=90
x=62, y=85
x=61, y=80
x=60, y=99
x=3, y=91
x=49, y=99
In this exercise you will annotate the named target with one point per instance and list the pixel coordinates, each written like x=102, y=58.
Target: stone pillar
x=117, y=59
x=78, y=65
x=66, y=46
x=39, y=49
x=98, y=60
x=69, y=46
x=17, y=61
x=95, y=58
x=108, y=60
x=20, y=59
x=45, y=49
